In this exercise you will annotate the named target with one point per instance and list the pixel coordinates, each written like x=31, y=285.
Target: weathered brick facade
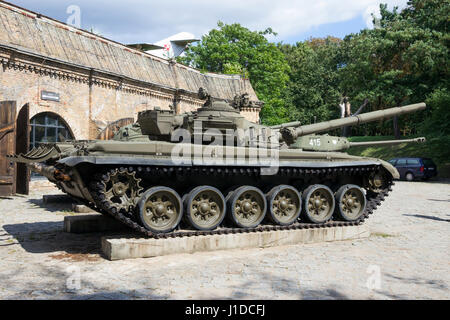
x=98, y=80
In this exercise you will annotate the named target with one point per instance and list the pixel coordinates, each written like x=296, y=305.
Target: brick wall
x=87, y=108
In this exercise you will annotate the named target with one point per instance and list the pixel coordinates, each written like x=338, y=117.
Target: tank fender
x=390, y=168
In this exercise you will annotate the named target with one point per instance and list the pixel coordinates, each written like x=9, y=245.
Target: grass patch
x=436, y=148
x=66, y=212
x=382, y=235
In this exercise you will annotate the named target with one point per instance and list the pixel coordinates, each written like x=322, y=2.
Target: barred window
x=48, y=127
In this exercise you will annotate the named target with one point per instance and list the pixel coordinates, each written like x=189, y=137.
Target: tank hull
x=176, y=154
x=88, y=185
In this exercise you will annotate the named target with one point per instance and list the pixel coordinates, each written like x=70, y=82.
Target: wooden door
x=110, y=130
x=7, y=146
x=22, y=146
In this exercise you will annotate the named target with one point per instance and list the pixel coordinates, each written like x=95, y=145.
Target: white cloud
x=144, y=20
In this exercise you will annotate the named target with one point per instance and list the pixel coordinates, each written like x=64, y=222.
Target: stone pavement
x=406, y=257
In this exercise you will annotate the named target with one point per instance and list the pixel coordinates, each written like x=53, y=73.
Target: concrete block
x=81, y=208
x=56, y=198
x=126, y=248
x=92, y=223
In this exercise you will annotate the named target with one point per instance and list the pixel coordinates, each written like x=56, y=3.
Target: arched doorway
x=48, y=127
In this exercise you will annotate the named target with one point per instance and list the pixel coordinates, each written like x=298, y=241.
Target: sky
x=138, y=21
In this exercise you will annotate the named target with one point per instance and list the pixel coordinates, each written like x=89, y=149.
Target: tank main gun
x=387, y=142
x=290, y=133
x=286, y=125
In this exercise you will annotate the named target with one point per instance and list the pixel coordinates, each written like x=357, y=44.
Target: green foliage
x=431, y=14
x=276, y=111
x=313, y=88
x=438, y=121
x=400, y=62
x=234, y=49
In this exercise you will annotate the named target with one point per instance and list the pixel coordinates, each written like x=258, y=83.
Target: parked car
x=415, y=168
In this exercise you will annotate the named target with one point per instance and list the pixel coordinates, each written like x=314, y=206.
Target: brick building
x=68, y=82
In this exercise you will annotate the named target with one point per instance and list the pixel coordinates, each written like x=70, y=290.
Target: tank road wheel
x=205, y=208
x=122, y=189
x=284, y=204
x=351, y=202
x=318, y=203
x=160, y=209
x=377, y=181
x=247, y=207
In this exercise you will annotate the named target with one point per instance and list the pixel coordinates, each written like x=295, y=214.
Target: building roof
x=41, y=35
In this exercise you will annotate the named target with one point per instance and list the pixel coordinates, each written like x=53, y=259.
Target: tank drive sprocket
x=119, y=189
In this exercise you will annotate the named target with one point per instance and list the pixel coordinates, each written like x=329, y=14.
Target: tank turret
x=215, y=118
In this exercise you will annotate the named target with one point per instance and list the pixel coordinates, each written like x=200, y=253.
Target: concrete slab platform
x=92, y=223
x=56, y=198
x=126, y=248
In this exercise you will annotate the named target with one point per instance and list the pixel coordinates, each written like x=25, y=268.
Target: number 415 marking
x=315, y=142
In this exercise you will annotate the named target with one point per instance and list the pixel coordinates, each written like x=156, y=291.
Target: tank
x=212, y=171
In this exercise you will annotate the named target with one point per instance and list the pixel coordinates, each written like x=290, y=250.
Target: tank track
x=130, y=220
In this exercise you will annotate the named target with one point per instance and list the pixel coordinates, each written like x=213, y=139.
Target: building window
x=48, y=127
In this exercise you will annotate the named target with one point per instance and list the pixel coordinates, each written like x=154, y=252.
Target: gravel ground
x=406, y=257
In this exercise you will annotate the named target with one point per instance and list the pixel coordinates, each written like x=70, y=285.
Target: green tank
x=212, y=171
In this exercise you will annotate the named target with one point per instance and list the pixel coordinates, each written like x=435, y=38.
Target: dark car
x=415, y=168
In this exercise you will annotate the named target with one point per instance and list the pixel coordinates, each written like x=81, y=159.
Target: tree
x=313, y=91
x=234, y=49
x=403, y=61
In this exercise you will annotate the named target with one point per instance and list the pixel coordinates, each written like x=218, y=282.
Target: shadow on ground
x=47, y=237
x=427, y=217
x=440, y=200
x=281, y=287
x=432, y=284
x=63, y=206
x=56, y=283
x=438, y=180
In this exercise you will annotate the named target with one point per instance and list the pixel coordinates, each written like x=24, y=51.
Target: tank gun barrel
x=387, y=142
x=293, y=133
x=284, y=125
